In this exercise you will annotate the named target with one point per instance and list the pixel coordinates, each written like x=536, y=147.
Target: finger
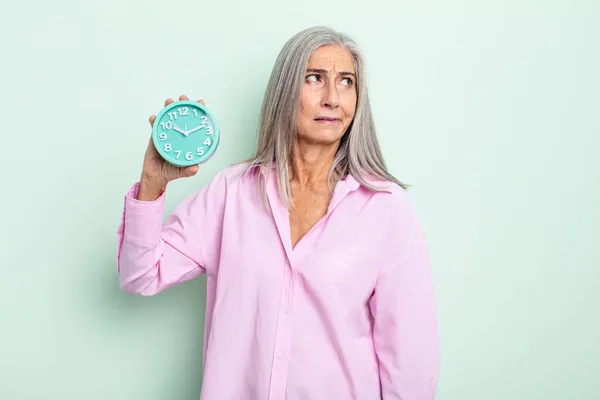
x=168, y=101
x=191, y=170
x=183, y=97
x=201, y=102
x=152, y=119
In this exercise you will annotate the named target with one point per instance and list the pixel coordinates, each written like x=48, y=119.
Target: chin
x=325, y=140
x=321, y=135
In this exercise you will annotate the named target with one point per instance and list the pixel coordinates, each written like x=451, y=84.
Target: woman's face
x=328, y=96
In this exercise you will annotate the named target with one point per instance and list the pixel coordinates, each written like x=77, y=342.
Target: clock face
x=185, y=133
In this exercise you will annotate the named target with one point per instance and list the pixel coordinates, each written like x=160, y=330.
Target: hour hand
x=178, y=129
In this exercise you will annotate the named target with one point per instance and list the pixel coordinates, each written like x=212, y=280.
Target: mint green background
x=489, y=109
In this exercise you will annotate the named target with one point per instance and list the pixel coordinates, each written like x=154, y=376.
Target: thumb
x=191, y=170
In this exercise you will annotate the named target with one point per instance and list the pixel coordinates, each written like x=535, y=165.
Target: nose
x=330, y=96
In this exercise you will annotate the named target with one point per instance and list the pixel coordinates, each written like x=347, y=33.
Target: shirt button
x=280, y=356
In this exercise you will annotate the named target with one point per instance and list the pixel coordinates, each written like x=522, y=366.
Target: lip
x=327, y=120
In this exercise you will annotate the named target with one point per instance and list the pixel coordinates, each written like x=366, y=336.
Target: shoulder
x=231, y=175
x=231, y=183
x=394, y=205
x=217, y=191
x=393, y=198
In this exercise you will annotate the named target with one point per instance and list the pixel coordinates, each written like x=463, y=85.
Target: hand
x=156, y=172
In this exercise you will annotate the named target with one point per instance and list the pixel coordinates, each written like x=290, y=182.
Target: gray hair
x=359, y=153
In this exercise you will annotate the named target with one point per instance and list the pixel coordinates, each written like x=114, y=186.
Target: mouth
x=327, y=120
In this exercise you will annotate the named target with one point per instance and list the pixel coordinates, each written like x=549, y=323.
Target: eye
x=313, y=78
x=348, y=81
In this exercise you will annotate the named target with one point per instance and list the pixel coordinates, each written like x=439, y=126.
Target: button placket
x=283, y=336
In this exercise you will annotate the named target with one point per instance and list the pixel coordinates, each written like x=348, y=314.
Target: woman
x=318, y=278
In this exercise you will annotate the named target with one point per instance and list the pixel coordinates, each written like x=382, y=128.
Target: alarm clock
x=185, y=133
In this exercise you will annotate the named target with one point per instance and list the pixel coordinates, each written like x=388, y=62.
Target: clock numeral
x=183, y=111
x=172, y=115
x=200, y=151
x=204, y=119
x=207, y=142
x=195, y=112
x=178, y=153
x=163, y=136
x=208, y=130
x=168, y=147
x=167, y=125
x=189, y=155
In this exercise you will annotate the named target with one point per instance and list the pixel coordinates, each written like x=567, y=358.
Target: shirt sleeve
x=153, y=255
x=405, y=326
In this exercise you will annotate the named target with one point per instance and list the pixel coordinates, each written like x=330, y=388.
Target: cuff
x=142, y=220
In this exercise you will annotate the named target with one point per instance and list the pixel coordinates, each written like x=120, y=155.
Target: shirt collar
x=350, y=181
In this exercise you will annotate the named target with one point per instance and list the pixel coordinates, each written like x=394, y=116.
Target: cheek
x=302, y=111
x=304, y=115
x=307, y=106
x=349, y=107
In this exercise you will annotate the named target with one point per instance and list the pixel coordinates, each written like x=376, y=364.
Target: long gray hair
x=359, y=153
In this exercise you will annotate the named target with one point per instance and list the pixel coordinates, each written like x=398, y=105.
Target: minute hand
x=195, y=129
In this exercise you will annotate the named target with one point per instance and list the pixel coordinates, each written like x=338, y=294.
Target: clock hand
x=178, y=129
x=196, y=128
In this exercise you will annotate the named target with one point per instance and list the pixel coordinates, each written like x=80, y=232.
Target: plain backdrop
x=490, y=110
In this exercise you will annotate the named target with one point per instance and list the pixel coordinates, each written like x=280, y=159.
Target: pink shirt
x=348, y=314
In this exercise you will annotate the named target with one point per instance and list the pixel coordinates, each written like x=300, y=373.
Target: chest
x=309, y=207
x=330, y=242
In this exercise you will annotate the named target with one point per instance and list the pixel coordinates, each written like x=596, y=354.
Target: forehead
x=332, y=56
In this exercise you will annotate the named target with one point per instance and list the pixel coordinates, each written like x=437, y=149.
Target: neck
x=311, y=163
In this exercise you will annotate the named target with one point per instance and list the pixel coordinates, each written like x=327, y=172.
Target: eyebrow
x=324, y=71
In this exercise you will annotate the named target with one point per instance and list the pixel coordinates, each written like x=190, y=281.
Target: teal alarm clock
x=185, y=133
